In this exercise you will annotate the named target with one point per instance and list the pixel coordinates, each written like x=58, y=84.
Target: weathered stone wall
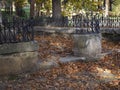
x=17, y=58
x=18, y=63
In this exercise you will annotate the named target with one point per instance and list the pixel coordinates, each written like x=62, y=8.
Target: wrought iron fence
x=83, y=25
x=109, y=22
x=18, y=30
x=87, y=27
x=80, y=20
x=88, y=23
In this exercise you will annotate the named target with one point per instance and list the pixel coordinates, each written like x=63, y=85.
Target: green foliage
x=44, y=6
x=116, y=10
x=83, y=4
x=40, y=1
x=19, y=3
x=116, y=2
x=116, y=7
x=75, y=6
x=68, y=6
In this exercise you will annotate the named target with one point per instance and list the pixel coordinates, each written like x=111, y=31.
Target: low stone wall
x=110, y=30
x=70, y=30
x=17, y=58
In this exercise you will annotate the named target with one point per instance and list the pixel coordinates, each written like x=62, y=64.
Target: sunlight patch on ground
x=106, y=75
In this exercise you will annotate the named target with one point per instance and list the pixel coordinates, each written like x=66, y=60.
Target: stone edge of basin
x=18, y=63
x=10, y=48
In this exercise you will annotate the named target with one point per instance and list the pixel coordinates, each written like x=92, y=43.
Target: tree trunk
x=106, y=8
x=18, y=10
x=11, y=9
x=56, y=10
x=104, y=3
x=99, y=6
x=32, y=8
x=0, y=18
x=110, y=5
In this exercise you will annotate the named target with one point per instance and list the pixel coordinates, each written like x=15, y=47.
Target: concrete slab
x=71, y=59
x=47, y=65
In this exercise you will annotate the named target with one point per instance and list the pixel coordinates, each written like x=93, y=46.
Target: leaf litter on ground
x=101, y=75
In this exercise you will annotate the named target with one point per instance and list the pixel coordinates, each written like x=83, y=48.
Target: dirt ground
x=100, y=75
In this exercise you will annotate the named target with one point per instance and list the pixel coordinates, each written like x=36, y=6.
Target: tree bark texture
x=32, y=8
x=56, y=9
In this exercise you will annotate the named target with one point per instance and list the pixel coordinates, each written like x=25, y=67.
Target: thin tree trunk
x=18, y=10
x=110, y=5
x=99, y=6
x=104, y=3
x=32, y=8
x=106, y=8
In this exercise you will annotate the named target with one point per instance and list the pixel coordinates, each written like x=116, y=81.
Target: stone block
x=18, y=63
x=87, y=45
x=17, y=58
x=10, y=48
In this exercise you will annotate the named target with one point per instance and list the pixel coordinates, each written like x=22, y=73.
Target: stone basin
x=87, y=45
x=18, y=58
